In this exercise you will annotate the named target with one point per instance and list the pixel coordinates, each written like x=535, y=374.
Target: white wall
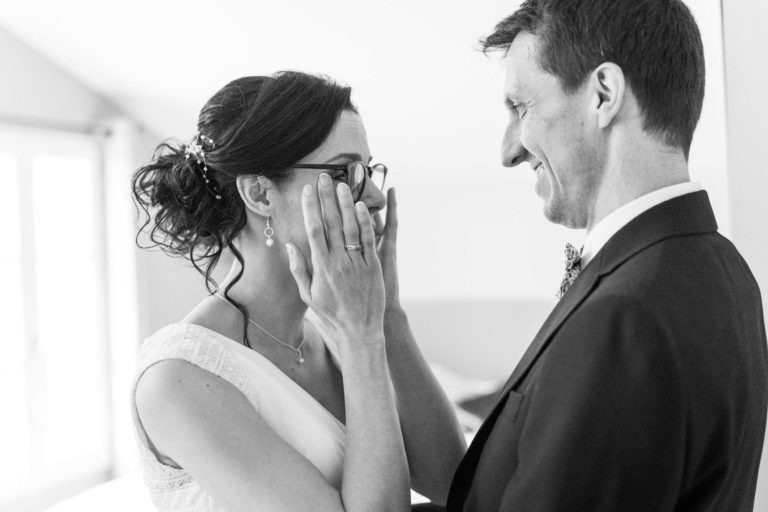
x=747, y=85
x=745, y=41
x=35, y=90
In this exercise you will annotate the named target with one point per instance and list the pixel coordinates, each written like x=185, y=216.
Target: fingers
x=331, y=216
x=313, y=223
x=390, y=228
x=298, y=265
x=328, y=225
x=367, y=237
x=378, y=224
x=348, y=215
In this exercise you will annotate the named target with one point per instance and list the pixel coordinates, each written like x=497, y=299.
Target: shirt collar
x=611, y=224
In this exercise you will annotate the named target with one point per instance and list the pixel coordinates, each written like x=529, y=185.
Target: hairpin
x=197, y=148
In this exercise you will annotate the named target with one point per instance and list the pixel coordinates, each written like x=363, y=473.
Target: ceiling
x=159, y=60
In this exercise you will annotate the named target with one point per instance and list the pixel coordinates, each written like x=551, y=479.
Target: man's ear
x=609, y=87
x=255, y=191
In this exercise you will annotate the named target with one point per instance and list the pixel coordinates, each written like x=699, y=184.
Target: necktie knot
x=572, y=269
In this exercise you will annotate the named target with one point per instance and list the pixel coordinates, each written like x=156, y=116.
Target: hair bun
x=173, y=186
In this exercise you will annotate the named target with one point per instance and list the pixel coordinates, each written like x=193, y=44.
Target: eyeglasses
x=354, y=174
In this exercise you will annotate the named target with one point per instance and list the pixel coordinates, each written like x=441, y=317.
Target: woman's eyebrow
x=347, y=156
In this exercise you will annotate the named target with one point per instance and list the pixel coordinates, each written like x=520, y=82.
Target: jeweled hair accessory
x=197, y=148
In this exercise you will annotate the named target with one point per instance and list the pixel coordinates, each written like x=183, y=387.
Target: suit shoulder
x=703, y=265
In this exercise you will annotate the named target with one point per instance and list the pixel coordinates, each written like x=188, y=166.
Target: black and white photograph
x=383, y=256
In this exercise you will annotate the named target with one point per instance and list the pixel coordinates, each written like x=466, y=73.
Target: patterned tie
x=572, y=268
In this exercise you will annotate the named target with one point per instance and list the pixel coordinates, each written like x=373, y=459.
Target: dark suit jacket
x=646, y=388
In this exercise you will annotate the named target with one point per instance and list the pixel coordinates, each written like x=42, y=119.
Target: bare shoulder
x=210, y=429
x=177, y=384
x=173, y=395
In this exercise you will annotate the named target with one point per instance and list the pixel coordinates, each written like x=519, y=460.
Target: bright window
x=54, y=388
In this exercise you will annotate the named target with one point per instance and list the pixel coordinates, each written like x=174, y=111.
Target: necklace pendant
x=301, y=360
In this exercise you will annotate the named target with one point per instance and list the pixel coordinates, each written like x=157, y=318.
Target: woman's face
x=346, y=143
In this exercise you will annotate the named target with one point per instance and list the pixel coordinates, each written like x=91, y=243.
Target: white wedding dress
x=292, y=412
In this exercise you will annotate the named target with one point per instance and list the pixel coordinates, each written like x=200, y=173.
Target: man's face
x=550, y=130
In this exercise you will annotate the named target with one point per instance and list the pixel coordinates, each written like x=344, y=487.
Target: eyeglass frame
x=345, y=167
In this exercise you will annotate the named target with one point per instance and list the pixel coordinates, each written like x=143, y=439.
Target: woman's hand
x=344, y=287
x=387, y=251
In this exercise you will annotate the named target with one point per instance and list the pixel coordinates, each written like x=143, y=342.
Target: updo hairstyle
x=259, y=125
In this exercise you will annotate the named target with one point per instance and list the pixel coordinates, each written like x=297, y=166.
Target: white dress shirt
x=610, y=225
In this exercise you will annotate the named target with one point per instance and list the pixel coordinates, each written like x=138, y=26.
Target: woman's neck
x=268, y=292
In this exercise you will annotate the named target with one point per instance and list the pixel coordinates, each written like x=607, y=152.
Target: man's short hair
x=655, y=42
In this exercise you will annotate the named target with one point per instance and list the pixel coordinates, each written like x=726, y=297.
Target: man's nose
x=512, y=150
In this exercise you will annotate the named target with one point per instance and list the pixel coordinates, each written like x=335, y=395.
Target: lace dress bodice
x=292, y=412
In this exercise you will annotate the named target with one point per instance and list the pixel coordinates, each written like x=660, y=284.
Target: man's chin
x=552, y=215
x=555, y=213
x=551, y=212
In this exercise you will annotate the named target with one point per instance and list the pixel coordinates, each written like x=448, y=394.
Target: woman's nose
x=373, y=196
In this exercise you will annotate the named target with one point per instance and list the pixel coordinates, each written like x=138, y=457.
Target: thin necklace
x=296, y=350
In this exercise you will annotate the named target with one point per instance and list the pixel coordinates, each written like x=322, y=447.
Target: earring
x=269, y=232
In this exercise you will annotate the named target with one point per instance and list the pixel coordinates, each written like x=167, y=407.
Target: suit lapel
x=579, y=290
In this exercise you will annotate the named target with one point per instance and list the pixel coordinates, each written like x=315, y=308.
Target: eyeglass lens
x=357, y=172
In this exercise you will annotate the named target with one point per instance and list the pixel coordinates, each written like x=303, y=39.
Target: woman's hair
x=258, y=125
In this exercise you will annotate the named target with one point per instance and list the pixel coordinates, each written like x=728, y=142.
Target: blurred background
x=89, y=88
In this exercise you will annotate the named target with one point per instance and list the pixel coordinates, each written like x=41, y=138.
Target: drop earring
x=269, y=232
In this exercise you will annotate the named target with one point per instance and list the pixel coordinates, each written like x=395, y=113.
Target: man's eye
x=338, y=177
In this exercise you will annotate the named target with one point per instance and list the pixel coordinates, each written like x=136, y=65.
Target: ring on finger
x=353, y=247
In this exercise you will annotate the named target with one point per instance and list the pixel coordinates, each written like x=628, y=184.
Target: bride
x=295, y=385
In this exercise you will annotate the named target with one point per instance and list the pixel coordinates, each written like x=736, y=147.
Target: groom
x=645, y=389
